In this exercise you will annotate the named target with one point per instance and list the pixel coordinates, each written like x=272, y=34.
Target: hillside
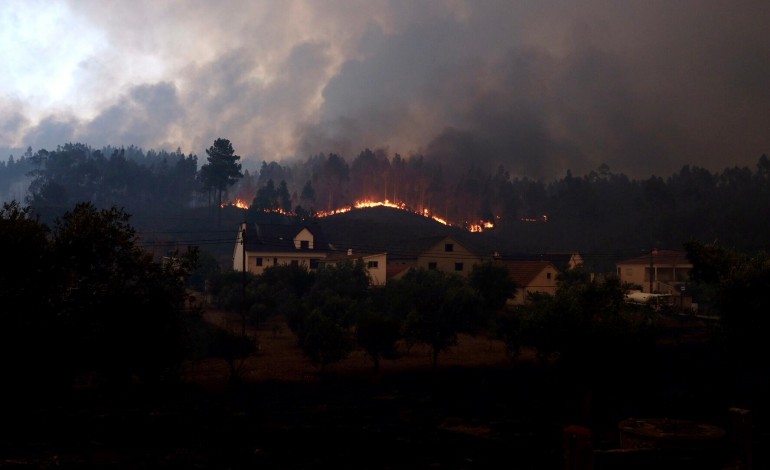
x=367, y=229
x=388, y=229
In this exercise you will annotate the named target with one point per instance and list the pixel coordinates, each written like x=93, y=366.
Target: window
x=314, y=264
x=449, y=247
x=259, y=261
x=295, y=262
x=275, y=261
x=432, y=265
x=372, y=264
x=458, y=266
x=548, y=276
x=304, y=244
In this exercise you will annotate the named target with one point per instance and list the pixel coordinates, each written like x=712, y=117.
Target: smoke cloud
x=538, y=87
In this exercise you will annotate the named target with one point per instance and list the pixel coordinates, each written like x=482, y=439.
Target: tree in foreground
x=27, y=330
x=324, y=341
x=377, y=334
x=589, y=336
x=438, y=308
x=99, y=306
x=736, y=284
x=493, y=284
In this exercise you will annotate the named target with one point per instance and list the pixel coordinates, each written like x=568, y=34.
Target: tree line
x=334, y=309
x=601, y=211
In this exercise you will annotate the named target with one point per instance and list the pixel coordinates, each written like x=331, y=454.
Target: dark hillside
x=368, y=229
x=162, y=233
x=385, y=229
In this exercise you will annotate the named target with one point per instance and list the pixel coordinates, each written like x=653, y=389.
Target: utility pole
x=653, y=252
x=243, y=279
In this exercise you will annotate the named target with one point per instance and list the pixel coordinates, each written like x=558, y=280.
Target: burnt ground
x=478, y=409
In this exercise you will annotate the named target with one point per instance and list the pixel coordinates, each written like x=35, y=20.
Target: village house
x=443, y=253
x=659, y=272
x=375, y=263
x=447, y=255
x=269, y=245
x=530, y=276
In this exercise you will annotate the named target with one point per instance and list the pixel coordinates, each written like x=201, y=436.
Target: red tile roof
x=524, y=272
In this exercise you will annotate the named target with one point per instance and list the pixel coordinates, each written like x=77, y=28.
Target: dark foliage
x=735, y=284
x=436, y=307
x=85, y=302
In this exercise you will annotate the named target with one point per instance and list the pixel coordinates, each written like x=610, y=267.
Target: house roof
x=560, y=260
x=523, y=272
x=660, y=257
x=412, y=249
x=395, y=269
x=348, y=255
x=280, y=237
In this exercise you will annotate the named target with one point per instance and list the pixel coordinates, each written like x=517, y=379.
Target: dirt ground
x=478, y=409
x=280, y=359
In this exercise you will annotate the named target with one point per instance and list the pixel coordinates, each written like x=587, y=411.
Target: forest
x=602, y=214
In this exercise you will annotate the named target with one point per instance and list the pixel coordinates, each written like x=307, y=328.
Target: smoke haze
x=539, y=87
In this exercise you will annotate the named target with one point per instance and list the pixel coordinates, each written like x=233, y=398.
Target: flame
x=367, y=203
x=238, y=203
x=341, y=210
x=386, y=203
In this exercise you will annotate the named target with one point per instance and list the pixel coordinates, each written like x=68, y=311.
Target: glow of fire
x=341, y=210
x=238, y=203
x=366, y=203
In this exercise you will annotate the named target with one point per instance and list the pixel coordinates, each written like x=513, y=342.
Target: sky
x=538, y=86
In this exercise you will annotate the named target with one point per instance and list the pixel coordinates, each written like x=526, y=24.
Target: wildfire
x=481, y=226
x=386, y=203
x=439, y=220
x=366, y=203
x=238, y=203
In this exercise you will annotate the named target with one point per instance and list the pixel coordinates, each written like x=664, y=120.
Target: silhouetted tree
x=28, y=332
x=98, y=305
x=119, y=310
x=735, y=284
x=377, y=334
x=324, y=341
x=493, y=284
x=439, y=306
x=222, y=169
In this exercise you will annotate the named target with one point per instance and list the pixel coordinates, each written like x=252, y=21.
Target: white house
x=278, y=244
x=375, y=263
